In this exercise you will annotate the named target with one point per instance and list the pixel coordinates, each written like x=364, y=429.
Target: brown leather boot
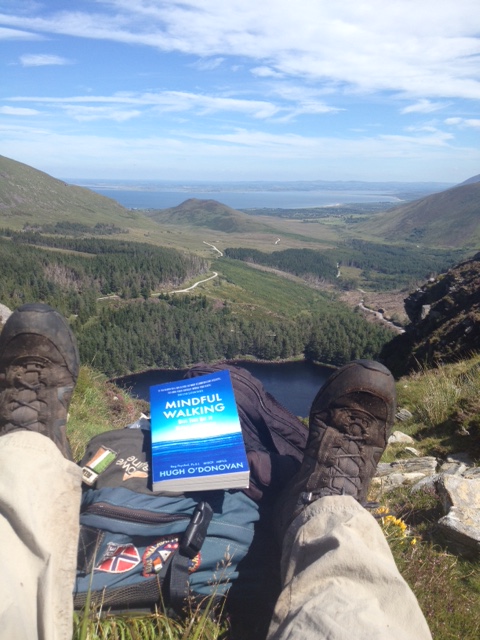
x=39, y=367
x=350, y=421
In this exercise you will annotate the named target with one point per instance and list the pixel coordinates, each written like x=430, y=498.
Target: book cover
x=197, y=440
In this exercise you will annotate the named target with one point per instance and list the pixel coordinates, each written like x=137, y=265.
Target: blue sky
x=242, y=89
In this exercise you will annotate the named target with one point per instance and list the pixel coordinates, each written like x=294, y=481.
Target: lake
x=294, y=384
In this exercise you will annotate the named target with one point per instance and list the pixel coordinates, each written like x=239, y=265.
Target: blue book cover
x=197, y=440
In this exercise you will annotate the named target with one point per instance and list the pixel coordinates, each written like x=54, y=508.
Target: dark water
x=294, y=384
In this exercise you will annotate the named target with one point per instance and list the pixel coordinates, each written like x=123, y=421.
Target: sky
x=375, y=90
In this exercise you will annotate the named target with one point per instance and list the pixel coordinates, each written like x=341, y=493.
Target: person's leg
x=40, y=486
x=341, y=581
x=39, y=525
x=339, y=577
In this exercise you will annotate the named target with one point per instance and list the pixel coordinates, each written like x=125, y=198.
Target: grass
x=445, y=403
x=98, y=406
x=447, y=586
x=195, y=625
x=245, y=285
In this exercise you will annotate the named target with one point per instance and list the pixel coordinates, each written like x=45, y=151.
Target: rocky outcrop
x=444, y=321
x=5, y=313
x=460, y=498
x=456, y=482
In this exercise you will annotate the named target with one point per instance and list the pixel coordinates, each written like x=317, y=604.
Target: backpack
x=138, y=548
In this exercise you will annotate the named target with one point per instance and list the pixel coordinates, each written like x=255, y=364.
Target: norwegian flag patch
x=119, y=558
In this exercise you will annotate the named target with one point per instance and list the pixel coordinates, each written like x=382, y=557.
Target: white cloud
x=423, y=106
x=208, y=64
x=18, y=111
x=90, y=114
x=240, y=154
x=464, y=123
x=421, y=48
x=265, y=72
x=42, y=60
x=16, y=34
x=170, y=101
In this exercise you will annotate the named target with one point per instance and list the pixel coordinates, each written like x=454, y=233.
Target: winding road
x=215, y=274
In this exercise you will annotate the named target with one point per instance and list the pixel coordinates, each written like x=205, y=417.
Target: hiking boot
x=350, y=421
x=39, y=366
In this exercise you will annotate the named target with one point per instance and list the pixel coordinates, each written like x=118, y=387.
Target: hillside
x=471, y=180
x=210, y=214
x=447, y=219
x=29, y=196
x=444, y=321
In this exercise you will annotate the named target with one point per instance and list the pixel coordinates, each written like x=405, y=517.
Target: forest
x=297, y=261
x=383, y=266
x=72, y=280
x=174, y=331
x=105, y=287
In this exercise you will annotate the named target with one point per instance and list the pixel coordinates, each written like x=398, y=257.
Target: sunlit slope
x=450, y=218
x=29, y=196
x=209, y=214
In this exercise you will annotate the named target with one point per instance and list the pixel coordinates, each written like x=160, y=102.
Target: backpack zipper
x=132, y=515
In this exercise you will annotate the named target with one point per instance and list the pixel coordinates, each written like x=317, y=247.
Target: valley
x=219, y=281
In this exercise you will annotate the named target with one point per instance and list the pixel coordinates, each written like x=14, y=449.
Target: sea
x=152, y=196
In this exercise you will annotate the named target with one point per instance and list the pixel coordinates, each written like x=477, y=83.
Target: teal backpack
x=139, y=549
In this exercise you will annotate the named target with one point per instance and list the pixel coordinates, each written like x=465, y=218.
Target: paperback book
x=197, y=441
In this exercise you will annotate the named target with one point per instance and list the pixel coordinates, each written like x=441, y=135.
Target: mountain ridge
x=210, y=214
x=444, y=321
x=447, y=219
x=28, y=196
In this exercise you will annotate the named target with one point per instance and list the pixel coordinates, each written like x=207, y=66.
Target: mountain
x=33, y=197
x=210, y=214
x=450, y=218
x=471, y=180
x=444, y=321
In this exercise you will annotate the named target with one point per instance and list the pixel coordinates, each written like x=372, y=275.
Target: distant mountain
x=444, y=321
x=450, y=218
x=31, y=196
x=210, y=214
x=471, y=180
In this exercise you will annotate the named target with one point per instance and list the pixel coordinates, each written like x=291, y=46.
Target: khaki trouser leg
x=39, y=523
x=341, y=581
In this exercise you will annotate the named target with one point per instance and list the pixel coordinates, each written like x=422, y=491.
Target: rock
x=453, y=468
x=460, y=498
x=427, y=465
x=474, y=472
x=413, y=451
x=400, y=437
x=425, y=311
x=394, y=480
x=403, y=414
x=462, y=456
x=403, y=472
x=5, y=313
x=426, y=483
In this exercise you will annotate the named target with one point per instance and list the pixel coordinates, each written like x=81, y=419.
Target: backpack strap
x=176, y=581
